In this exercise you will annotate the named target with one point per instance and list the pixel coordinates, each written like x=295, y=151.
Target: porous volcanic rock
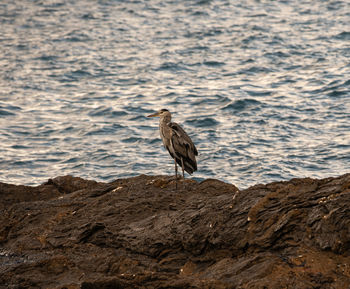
x=141, y=233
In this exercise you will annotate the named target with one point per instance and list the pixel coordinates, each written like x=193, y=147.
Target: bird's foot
x=174, y=178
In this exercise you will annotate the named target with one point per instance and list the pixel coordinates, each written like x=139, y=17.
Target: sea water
x=262, y=88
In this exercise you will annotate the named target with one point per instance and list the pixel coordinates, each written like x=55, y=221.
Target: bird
x=177, y=142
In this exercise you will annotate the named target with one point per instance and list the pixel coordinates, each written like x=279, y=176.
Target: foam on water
x=262, y=87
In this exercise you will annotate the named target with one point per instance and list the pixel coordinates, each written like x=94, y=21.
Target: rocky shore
x=141, y=233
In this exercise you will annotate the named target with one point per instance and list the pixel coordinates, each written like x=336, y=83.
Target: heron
x=177, y=142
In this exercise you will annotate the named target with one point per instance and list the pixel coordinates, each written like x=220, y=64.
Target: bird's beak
x=153, y=115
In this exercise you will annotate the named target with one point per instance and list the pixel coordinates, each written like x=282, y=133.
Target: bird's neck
x=165, y=119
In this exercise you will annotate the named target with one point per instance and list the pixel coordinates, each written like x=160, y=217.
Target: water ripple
x=242, y=104
x=262, y=88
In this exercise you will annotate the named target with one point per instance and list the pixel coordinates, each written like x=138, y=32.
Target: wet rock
x=142, y=233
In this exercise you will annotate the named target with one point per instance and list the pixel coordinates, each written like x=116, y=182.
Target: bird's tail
x=190, y=165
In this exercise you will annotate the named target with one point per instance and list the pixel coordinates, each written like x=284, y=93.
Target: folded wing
x=182, y=147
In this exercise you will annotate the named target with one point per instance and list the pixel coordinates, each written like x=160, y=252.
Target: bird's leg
x=183, y=173
x=183, y=168
x=175, y=173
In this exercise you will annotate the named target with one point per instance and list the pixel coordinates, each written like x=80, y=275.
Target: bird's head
x=161, y=113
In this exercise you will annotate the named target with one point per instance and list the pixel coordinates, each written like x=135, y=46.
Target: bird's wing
x=181, y=141
x=185, y=151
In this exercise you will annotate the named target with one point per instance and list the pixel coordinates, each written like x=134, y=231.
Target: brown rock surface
x=141, y=233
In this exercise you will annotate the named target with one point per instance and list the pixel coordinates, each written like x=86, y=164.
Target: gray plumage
x=177, y=142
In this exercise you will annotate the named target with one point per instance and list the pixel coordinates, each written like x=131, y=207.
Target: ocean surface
x=262, y=87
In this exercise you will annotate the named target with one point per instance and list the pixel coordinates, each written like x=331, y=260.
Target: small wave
x=4, y=113
x=203, y=34
x=255, y=70
x=47, y=58
x=200, y=13
x=9, y=107
x=259, y=28
x=116, y=113
x=101, y=131
x=203, y=2
x=337, y=93
x=213, y=63
x=88, y=16
x=101, y=111
x=345, y=35
x=241, y=104
x=75, y=36
x=20, y=146
x=80, y=72
x=205, y=122
x=131, y=139
x=138, y=118
x=73, y=76
x=23, y=163
x=335, y=88
x=71, y=160
x=216, y=99
x=194, y=49
x=172, y=66
x=277, y=54
x=20, y=131
x=258, y=15
x=251, y=38
x=259, y=93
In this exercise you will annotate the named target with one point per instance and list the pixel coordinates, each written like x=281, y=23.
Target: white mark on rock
x=117, y=189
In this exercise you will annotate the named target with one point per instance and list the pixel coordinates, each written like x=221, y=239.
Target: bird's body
x=177, y=142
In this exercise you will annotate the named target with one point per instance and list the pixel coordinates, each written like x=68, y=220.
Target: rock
x=141, y=233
